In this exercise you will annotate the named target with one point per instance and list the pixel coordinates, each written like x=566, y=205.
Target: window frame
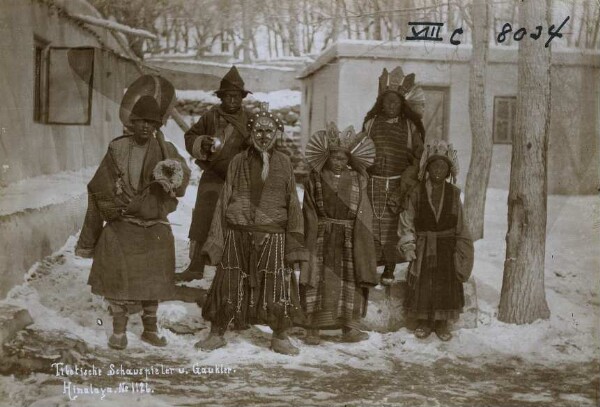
x=88, y=122
x=511, y=119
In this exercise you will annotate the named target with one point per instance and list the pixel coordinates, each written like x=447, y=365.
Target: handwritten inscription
x=137, y=379
x=430, y=31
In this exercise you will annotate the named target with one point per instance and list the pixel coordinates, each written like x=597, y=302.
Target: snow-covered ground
x=58, y=298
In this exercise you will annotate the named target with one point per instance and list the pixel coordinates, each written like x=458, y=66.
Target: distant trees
x=299, y=27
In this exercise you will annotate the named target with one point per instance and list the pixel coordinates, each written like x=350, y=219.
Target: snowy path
x=552, y=362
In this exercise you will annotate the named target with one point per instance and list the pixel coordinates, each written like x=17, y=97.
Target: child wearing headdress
x=338, y=230
x=435, y=238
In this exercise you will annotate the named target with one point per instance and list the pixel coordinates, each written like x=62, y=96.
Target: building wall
x=30, y=149
x=573, y=166
x=35, y=158
x=321, y=101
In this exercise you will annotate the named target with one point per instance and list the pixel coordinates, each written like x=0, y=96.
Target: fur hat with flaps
x=146, y=108
x=232, y=81
x=360, y=149
x=436, y=150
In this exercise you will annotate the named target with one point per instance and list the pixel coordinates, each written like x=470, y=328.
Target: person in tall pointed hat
x=395, y=126
x=213, y=141
x=255, y=240
x=126, y=231
x=434, y=236
x=338, y=230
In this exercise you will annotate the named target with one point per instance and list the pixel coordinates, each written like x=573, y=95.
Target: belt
x=386, y=178
x=346, y=222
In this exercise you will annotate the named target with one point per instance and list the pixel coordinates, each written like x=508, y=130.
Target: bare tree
x=481, y=137
x=523, y=297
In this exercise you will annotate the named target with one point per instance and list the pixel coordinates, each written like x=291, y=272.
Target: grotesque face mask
x=264, y=133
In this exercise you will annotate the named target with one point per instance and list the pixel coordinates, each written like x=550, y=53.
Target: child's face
x=438, y=171
x=337, y=161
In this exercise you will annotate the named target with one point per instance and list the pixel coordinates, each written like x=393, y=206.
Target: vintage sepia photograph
x=299, y=203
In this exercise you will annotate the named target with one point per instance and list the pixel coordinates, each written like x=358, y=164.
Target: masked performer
x=255, y=238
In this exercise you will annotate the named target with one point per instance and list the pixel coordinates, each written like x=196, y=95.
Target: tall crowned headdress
x=360, y=148
x=405, y=86
x=439, y=149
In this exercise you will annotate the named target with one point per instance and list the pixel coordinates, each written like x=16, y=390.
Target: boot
x=195, y=271
x=353, y=335
x=442, y=330
x=149, y=320
x=387, y=278
x=280, y=343
x=423, y=329
x=211, y=342
x=118, y=339
x=312, y=337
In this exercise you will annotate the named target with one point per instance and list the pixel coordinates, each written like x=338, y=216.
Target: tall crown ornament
x=405, y=86
x=360, y=149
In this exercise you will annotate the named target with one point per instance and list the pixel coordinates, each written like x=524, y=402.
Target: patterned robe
x=255, y=235
x=398, y=151
x=444, y=251
x=337, y=221
x=126, y=230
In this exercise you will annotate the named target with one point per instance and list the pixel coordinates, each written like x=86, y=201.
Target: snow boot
x=195, y=271
x=212, y=342
x=281, y=344
x=353, y=335
x=149, y=320
x=387, y=277
x=312, y=337
x=423, y=329
x=442, y=330
x=118, y=339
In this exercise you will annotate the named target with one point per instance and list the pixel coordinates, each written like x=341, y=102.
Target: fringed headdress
x=439, y=149
x=360, y=149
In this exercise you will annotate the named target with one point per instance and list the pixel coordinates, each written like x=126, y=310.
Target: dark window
x=504, y=119
x=70, y=80
x=39, y=77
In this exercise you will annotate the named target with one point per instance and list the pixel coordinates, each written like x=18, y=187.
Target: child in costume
x=338, y=228
x=434, y=236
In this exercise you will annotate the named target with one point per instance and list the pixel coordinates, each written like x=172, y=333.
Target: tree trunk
x=246, y=32
x=481, y=137
x=523, y=298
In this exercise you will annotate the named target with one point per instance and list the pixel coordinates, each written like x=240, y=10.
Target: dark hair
x=405, y=111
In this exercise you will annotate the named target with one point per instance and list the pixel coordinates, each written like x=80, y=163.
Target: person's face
x=231, y=101
x=337, y=162
x=144, y=129
x=263, y=133
x=438, y=171
x=391, y=105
